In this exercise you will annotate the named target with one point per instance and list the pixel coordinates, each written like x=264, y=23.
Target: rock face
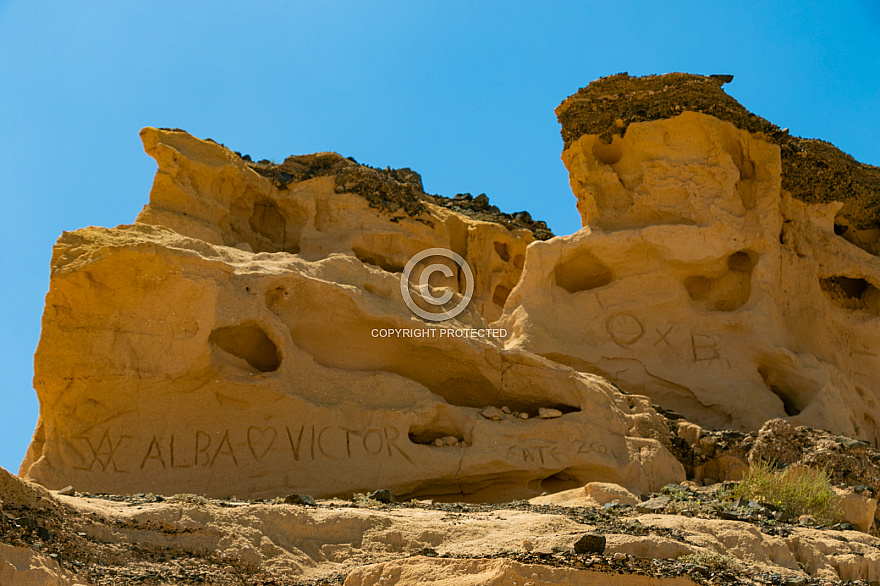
x=248, y=335
x=233, y=342
x=704, y=277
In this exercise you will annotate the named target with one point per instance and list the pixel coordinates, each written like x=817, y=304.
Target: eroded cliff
x=226, y=343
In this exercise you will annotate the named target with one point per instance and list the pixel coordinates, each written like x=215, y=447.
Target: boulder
x=858, y=509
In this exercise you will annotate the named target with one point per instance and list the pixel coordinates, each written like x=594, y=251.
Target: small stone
x=523, y=415
x=549, y=413
x=807, y=520
x=439, y=443
x=506, y=409
x=848, y=442
x=653, y=505
x=449, y=440
x=383, y=496
x=493, y=413
x=590, y=543
x=67, y=491
x=482, y=199
x=527, y=545
x=619, y=556
x=300, y=499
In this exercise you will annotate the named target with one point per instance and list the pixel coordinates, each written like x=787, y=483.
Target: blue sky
x=462, y=92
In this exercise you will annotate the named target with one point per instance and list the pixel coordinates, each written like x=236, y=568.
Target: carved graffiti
x=103, y=452
x=624, y=328
x=663, y=336
x=552, y=454
x=260, y=440
x=231, y=447
x=705, y=347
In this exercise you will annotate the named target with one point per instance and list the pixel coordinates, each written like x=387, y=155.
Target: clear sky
x=461, y=91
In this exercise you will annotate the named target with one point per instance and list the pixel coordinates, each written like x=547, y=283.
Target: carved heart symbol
x=260, y=441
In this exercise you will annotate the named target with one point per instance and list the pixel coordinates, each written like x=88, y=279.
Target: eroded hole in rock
x=519, y=261
x=440, y=428
x=608, y=153
x=499, y=297
x=439, y=438
x=377, y=260
x=582, y=272
x=729, y=291
x=250, y=343
x=794, y=390
x=501, y=249
x=560, y=481
x=533, y=409
x=741, y=261
x=352, y=344
x=258, y=224
x=851, y=293
x=268, y=221
x=866, y=237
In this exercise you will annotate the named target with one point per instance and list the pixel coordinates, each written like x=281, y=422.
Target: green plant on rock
x=794, y=491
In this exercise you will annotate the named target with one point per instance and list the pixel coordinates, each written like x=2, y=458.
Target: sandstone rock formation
x=715, y=271
x=232, y=342
x=248, y=334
